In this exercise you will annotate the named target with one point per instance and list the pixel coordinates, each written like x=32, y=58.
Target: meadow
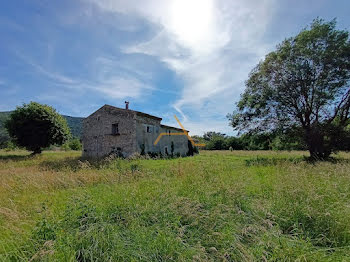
x=215, y=206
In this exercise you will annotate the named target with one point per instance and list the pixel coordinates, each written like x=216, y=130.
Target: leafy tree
x=217, y=143
x=199, y=139
x=235, y=143
x=36, y=126
x=209, y=135
x=287, y=139
x=277, y=140
x=253, y=141
x=303, y=84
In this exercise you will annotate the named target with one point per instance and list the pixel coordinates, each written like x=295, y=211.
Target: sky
x=184, y=57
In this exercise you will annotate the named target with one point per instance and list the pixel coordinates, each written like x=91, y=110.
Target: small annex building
x=113, y=130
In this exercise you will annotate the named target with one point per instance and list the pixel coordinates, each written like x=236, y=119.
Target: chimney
x=126, y=105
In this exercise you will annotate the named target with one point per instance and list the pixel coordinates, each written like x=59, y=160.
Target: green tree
x=217, y=142
x=256, y=141
x=36, y=126
x=235, y=143
x=209, y=135
x=304, y=84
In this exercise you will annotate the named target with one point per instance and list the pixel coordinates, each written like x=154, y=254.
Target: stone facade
x=123, y=131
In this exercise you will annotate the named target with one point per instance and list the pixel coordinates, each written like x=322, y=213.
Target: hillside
x=74, y=123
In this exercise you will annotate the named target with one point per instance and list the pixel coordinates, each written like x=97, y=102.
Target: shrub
x=74, y=144
x=36, y=126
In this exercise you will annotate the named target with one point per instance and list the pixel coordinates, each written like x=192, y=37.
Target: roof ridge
x=137, y=112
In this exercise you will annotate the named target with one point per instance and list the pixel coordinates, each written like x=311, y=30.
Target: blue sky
x=183, y=57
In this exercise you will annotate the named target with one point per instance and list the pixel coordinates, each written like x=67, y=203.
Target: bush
x=73, y=144
x=36, y=126
x=10, y=146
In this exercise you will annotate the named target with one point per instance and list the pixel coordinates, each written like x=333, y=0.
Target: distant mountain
x=75, y=124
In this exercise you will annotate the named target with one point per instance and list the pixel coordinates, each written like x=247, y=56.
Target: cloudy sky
x=183, y=57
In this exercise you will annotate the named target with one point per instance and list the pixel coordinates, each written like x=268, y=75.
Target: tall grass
x=217, y=206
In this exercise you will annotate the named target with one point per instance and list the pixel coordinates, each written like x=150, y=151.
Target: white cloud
x=211, y=45
x=110, y=84
x=55, y=76
x=118, y=84
x=121, y=87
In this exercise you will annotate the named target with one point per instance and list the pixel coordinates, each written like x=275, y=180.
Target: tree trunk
x=316, y=145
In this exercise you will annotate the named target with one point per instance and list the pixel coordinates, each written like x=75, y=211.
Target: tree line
x=250, y=141
x=259, y=141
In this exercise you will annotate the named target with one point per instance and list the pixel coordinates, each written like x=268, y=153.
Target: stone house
x=124, y=132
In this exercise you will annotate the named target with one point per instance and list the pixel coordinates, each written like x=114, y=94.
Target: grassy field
x=216, y=206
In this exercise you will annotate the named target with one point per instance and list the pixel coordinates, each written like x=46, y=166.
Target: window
x=115, y=129
x=149, y=129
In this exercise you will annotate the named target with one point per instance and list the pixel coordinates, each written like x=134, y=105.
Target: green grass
x=216, y=206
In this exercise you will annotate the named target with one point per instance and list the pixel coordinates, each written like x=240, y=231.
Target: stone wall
x=98, y=140
x=146, y=139
x=137, y=133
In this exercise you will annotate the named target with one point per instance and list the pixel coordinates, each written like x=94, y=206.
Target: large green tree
x=36, y=126
x=303, y=84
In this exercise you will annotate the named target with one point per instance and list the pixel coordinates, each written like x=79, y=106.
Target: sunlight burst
x=191, y=21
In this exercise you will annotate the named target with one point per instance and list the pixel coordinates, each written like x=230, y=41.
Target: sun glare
x=191, y=21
